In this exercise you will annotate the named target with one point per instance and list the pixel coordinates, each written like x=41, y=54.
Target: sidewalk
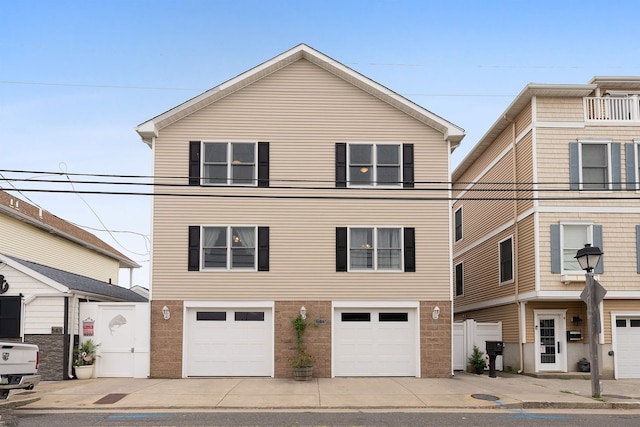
x=464, y=391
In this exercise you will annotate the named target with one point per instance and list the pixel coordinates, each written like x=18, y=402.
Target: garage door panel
x=385, y=345
x=628, y=347
x=234, y=343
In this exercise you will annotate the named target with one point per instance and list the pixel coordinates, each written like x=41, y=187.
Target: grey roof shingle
x=82, y=283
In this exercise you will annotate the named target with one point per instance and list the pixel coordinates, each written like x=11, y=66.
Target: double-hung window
x=229, y=163
x=459, y=272
x=226, y=248
x=229, y=248
x=375, y=249
x=594, y=165
x=374, y=165
x=567, y=239
x=457, y=221
x=506, y=260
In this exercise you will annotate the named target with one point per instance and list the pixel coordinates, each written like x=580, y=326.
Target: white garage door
x=628, y=347
x=375, y=342
x=229, y=342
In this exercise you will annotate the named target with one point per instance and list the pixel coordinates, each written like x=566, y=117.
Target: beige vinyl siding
x=524, y=172
x=630, y=305
x=302, y=111
x=523, y=120
x=619, y=247
x=526, y=267
x=24, y=241
x=557, y=109
x=482, y=272
x=507, y=314
x=574, y=308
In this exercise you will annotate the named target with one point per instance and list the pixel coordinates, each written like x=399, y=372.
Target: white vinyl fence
x=469, y=333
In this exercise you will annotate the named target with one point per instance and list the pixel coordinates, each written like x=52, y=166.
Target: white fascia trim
x=375, y=304
x=589, y=209
x=228, y=304
x=551, y=295
x=572, y=125
x=34, y=274
x=622, y=295
x=494, y=162
x=494, y=233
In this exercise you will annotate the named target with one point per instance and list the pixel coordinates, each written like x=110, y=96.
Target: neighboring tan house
x=557, y=170
x=48, y=267
x=300, y=183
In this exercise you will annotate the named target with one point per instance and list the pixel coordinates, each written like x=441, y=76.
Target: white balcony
x=612, y=109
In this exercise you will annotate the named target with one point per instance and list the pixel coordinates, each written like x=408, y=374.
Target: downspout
x=70, y=330
x=514, y=158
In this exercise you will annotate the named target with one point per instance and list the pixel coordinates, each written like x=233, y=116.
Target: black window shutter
x=194, y=248
x=341, y=248
x=409, y=249
x=407, y=166
x=263, y=164
x=263, y=248
x=194, y=162
x=341, y=165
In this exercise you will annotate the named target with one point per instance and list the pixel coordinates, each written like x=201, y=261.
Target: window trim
x=590, y=239
x=457, y=226
x=229, y=164
x=455, y=278
x=500, y=262
x=609, y=178
x=375, y=249
x=374, y=162
x=229, y=248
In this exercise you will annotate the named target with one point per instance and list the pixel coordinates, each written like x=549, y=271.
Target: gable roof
x=32, y=215
x=523, y=99
x=151, y=128
x=74, y=282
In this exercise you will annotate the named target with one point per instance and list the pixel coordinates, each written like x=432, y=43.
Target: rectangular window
x=375, y=249
x=249, y=316
x=218, y=316
x=393, y=317
x=229, y=163
x=574, y=237
x=459, y=279
x=458, y=224
x=372, y=165
x=356, y=317
x=621, y=323
x=506, y=260
x=595, y=166
x=229, y=248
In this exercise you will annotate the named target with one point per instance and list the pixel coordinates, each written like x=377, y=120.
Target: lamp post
x=588, y=257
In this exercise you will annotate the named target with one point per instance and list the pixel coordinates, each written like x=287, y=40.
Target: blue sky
x=76, y=77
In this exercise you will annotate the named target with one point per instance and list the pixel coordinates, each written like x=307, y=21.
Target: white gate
x=469, y=333
x=122, y=330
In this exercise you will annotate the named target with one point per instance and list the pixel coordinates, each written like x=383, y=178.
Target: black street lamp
x=588, y=258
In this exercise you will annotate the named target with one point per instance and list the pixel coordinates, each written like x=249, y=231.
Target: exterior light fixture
x=588, y=257
x=436, y=313
x=166, y=313
x=303, y=313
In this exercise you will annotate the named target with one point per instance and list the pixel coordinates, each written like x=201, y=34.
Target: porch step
x=561, y=375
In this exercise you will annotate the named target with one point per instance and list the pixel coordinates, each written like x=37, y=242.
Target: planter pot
x=303, y=374
x=84, y=372
x=479, y=370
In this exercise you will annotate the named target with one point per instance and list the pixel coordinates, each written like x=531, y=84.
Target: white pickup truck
x=18, y=367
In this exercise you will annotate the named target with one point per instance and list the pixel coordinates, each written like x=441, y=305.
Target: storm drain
x=485, y=397
x=110, y=398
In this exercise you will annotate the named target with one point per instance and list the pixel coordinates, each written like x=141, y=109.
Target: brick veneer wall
x=317, y=338
x=54, y=350
x=435, y=340
x=166, y=340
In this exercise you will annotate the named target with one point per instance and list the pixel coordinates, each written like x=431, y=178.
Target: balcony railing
x=612, y=109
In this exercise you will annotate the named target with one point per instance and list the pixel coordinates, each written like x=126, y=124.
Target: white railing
x=612, y=108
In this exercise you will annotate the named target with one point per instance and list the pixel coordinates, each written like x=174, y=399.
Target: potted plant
x=302, y=362
x=84, y=358
x=476, y=360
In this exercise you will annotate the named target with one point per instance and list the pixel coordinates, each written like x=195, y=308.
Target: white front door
x=550, y=341
x=118, y=341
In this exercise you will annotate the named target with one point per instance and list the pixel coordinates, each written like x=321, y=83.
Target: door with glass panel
x=550, y=342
